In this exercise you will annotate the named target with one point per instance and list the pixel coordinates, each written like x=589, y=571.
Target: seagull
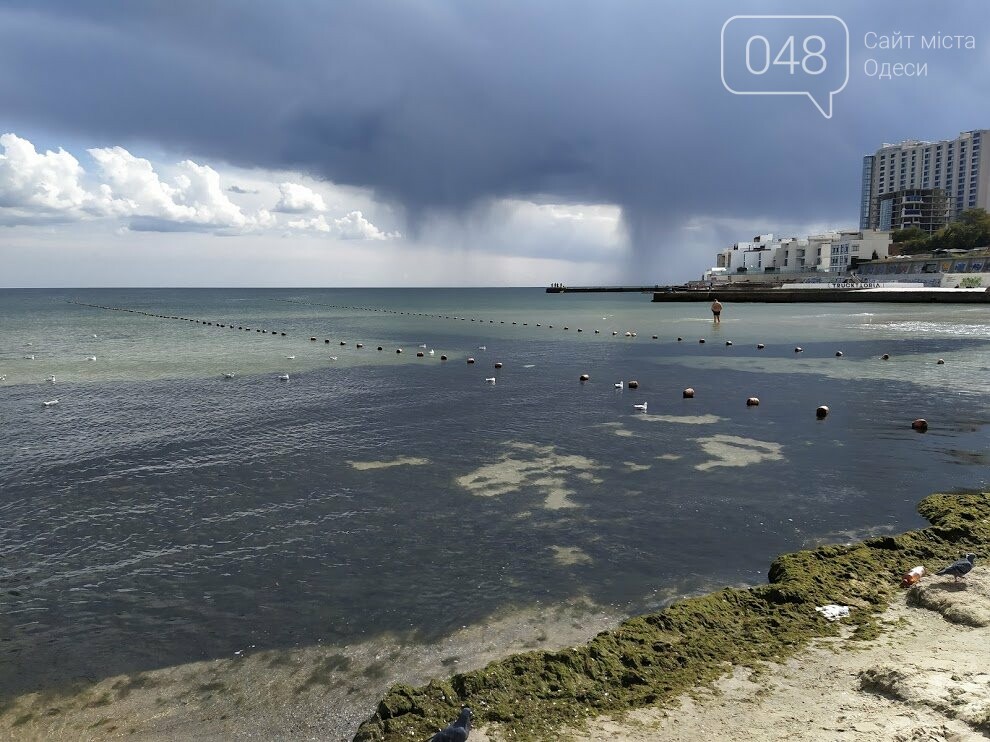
x=641, y=407
x=432, y=352
x=960, y=568
x=228, y=376
x=482, y=347
x=619, y=384
x=290, y=358
x=94, y=335
x=283, y=377
x=490, y=380
x=3, y=378
x=333, y=358
x=51, y=379
x=456, y=731
x=28, y=358
x=422, y=345
x=50, y=403
x=90, y=358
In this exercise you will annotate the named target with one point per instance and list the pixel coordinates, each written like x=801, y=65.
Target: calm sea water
x=161, y=513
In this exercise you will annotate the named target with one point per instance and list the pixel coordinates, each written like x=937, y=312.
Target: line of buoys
x=821, y=412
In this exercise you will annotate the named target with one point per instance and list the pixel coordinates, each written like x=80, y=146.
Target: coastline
x=652, y=660
x=736, y=657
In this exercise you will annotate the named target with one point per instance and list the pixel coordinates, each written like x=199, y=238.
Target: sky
x=449, y=143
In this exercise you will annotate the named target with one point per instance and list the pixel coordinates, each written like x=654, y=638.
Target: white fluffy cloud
x=353, y=226
x=36, y=187
x=298, y=199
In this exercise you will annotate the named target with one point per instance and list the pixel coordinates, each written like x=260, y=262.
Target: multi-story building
x=767, y=258
x=925, y=184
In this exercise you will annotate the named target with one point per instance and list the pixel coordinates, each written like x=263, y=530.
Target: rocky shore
x=647, y=665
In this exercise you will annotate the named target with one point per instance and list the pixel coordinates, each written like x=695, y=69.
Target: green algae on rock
x=656, y=657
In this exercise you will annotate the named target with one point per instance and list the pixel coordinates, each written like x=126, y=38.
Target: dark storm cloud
x=439, y=105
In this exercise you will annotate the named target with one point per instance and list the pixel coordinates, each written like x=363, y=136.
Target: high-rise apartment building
x=925, y=184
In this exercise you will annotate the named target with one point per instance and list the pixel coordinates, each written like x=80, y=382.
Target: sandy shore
x=926, y=679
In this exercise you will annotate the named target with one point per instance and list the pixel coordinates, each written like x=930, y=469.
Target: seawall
x=788, y=296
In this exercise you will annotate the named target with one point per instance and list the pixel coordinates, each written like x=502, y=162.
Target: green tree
x=909, y=234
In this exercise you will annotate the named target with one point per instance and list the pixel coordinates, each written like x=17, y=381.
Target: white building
x=770, y=259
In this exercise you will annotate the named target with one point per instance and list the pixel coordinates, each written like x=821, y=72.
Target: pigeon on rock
x=456, y=731
x=960, y=568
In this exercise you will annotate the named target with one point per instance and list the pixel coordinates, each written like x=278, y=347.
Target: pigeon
x=960, y=568
x=456, y=731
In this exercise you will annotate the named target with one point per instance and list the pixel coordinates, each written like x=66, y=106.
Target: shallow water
x=162, y=514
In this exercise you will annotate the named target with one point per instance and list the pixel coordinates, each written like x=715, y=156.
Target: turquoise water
x=161, y=513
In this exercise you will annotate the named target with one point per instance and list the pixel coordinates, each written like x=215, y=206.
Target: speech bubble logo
x=786, y=55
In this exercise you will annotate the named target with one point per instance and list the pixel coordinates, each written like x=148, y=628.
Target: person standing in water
x=717, y=311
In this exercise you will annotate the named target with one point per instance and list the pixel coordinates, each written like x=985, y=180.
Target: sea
x=183, y=504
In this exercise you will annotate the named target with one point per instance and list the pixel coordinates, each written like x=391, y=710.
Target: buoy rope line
x=919, y=425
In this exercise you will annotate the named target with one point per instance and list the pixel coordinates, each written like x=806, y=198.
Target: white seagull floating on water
x=333, y=358
x=619, y=384
x=228, y=375
x=51, y=379
x=50, y=403
x=28, y=358
x=641, y=407
x=432, y=352
x=290, y=358
x=490, y=380
x=90, y=358
x=283, y=377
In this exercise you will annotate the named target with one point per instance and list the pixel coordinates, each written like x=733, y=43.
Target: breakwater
x=789, y=296
x=601, y=289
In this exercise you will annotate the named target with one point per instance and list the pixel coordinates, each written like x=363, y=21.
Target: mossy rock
x=657, y=657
